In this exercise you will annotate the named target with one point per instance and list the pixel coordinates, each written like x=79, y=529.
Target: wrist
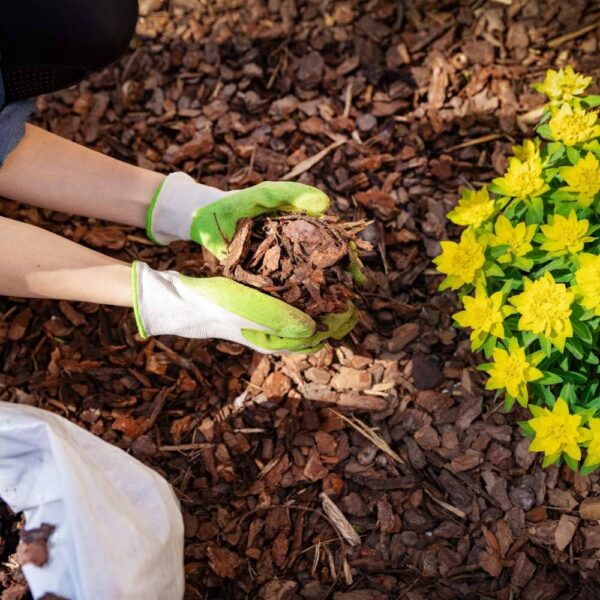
x=173, y=206
x=163, y=305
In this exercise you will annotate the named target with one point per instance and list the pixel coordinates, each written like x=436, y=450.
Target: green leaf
x=556, y=151
x=492, y=187
x=545, y=344
x=574, y=378
x=572, y=155
x=509, y=402
x=535, y=211
x=550, y=379
x=523, y=263
x=583, y=332
x=589, y=392
x=489, y=345
x=571, y=462
x=544, y=131
x=561, y=195
x=591, y=101
x=510, y=285
x=497, y=251
x=593, y=404
x=567, y=393
x=356, y=265
x=550, y=460
x=493, y=270
x=574, y=347
x=527, y=429
x=588, y=469
x=592, y=359
x=593, y=146
x=528, y=338
x=543, y=394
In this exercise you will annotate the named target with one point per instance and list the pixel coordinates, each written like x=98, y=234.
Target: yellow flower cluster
x=563, y=84
x=559, y=431
x=523, y=179
x=583, y=179
x=527, y=270
x=573, y=125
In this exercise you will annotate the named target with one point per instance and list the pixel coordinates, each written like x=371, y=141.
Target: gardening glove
x=168, y=303
x=183, y=209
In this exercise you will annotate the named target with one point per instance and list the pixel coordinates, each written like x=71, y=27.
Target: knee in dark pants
x=111, y=29
x=46, y=46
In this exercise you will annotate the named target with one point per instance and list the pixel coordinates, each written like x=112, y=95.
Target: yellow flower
x=523, y=178
x=593, y=451
x=583, y=179
x=557, y=431
x=529, y=149
x=474, y=208
x=545, y=307
x=563, y=84
x=512, y=370
x=565, y=235
x=462, y=261
x=588, y=282
x=517, y=238
x=484, y=314
x=573, y=126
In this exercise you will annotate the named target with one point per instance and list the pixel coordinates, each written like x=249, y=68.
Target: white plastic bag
x=119, y=531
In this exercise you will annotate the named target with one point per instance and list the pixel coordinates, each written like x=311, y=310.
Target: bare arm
x=48, y=171
x=35, y=263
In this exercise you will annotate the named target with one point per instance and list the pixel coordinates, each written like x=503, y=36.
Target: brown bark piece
x=590, y=509
x=33, y=545
x=297, y=258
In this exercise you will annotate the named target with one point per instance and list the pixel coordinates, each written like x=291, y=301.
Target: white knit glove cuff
x=173, y=207
x=164, y=305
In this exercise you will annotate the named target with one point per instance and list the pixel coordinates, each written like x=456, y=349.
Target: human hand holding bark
x=183, y=209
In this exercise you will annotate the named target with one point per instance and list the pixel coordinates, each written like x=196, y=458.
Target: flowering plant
x=527, y=270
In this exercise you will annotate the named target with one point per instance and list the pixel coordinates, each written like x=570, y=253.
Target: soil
x=389, y=107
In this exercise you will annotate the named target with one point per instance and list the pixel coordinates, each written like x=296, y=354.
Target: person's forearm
x=35, y=263
x=48, y=171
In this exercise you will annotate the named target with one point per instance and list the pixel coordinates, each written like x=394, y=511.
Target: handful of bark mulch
x=309, y=263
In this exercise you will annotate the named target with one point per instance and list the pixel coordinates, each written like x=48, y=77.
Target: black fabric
x=46, y=45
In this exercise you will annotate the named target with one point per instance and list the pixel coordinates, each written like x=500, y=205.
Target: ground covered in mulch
x=390, y=107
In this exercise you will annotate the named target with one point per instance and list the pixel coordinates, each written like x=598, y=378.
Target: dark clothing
x=46, y=45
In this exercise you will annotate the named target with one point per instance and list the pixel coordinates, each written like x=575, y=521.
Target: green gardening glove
x=337, y=326
x=185, y=210
x=168, y=303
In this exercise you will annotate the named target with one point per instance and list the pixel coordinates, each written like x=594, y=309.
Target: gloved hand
x=183, y=209
x=166, y=302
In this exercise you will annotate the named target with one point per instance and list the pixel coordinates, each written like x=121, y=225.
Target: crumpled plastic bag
x=119, y=530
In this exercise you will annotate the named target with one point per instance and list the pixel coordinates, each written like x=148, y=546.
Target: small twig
x=371, y=435
x=348, y=99
x=490, y=137
x=252, y=158
x=567, y=37
x=225, y=238
x=186, y=447
x=429, y=38
x=338, y=520
x=217, y=89
x=310, y=162
x=449, y=507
